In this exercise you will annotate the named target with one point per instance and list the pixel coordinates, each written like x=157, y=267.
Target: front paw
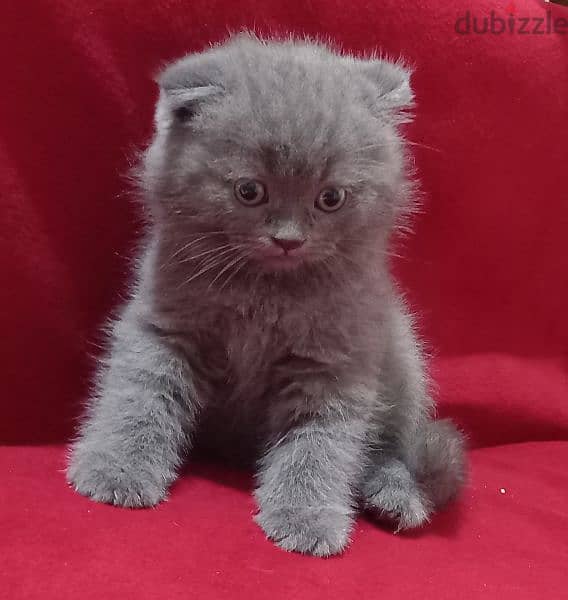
x=109, y=479
x=321, y=531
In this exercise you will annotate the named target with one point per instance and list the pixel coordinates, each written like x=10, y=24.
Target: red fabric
x=487, y=272
x=505, y=540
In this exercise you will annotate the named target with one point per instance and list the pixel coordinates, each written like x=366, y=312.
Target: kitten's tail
x=440, y=461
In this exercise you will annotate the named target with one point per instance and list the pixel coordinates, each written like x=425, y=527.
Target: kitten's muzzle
x=287, y=244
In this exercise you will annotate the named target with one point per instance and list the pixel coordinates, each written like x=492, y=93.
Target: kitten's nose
x=288, y=244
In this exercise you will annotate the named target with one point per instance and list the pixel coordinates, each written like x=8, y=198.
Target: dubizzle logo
x=510, y=22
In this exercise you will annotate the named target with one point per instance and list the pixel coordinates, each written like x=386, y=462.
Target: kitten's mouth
x=281, y=262
x=280, y=255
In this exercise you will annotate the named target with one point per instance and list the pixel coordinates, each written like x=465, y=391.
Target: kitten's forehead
x=294, y=106
x=282, y=108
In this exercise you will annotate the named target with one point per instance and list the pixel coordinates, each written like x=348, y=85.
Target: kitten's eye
x=250, y=192
x=184, y=113
x=331, y=199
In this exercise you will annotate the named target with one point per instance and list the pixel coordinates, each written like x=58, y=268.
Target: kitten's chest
x=261, y=349
x=256, y=342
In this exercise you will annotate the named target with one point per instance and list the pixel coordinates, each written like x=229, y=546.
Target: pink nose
x=288, y=245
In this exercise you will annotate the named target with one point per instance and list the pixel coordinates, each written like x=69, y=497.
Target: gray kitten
x=264, y=320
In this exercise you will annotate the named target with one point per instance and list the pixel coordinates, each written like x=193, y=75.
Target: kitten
x=264, y=318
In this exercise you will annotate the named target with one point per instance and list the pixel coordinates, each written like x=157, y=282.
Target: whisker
x=191, y=243
x=215, y=263
x=221, y=254
x=420, y=145
x=223, y=270
x=408, y=142
x=204, y=253
x=244, y=258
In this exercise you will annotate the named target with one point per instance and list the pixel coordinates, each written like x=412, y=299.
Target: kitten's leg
x=418, y=465
x=131, y=442
x=310, y=473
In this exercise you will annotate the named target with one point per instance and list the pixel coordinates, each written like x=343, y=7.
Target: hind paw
x=391, y=493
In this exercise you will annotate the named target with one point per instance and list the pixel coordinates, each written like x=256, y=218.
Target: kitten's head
x=284, y=154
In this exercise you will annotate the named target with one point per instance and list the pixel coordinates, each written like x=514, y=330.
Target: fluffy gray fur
x=310, y=362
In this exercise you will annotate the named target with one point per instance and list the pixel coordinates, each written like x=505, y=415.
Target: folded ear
x=184, y=86
x=392, y=84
